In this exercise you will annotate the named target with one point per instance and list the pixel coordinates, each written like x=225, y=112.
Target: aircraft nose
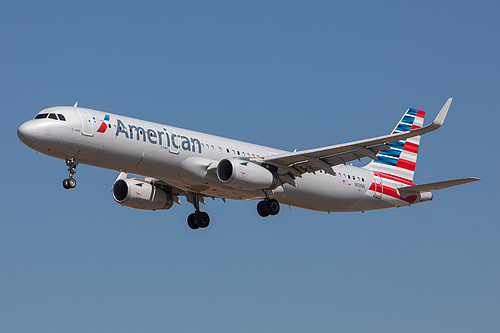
x=27, y=131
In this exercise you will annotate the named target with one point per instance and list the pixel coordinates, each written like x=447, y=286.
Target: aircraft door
x=87, y=125
x=174, y=142
x=379, y=188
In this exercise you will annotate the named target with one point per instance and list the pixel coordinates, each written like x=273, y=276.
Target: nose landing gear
x=70, y=182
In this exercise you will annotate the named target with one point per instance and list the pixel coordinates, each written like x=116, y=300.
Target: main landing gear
x=197, y=219
x=268, y=207
x=70, y=182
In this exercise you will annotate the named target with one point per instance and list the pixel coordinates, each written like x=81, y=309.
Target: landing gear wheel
x=268, y=207
x=69, y=183
x=261, y=209
x=191, y=221
x=198, y=220
x=72, y=183
x=272, y=206
x=202, y=219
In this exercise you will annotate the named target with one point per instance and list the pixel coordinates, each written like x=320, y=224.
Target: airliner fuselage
x=181, y=162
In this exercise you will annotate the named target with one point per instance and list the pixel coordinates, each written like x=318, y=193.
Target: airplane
x=175, y=162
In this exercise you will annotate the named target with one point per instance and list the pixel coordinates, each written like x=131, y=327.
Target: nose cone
x=27, y=132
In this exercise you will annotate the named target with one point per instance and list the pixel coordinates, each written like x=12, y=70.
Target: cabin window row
x=347, y=176
x=235, y=152
x=354, y=178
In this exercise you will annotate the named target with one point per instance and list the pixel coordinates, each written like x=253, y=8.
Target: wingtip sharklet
x=438, y=122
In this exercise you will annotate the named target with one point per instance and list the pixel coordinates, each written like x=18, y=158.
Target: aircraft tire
x=202, y=219
x=261, y=209
x=272, y=206
x=191, y=221
x=72, y=183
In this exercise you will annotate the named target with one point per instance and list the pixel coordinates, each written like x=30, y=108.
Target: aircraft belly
x=320, y=192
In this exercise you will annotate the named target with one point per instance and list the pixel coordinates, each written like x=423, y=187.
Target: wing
x=300, y=162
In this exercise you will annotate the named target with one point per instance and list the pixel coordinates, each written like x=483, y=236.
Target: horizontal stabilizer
x=436, y=186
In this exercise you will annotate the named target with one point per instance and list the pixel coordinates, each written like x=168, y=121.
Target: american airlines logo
x=162, y=137
x=104, y=125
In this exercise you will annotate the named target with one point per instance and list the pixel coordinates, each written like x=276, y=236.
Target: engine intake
x=245, y=175
x=141, y=195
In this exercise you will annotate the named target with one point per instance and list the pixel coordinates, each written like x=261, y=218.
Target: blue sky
x=289, y=74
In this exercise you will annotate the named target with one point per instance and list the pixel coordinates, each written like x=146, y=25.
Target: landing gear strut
x=268, y=207
x=70, y=182
x=197, y=219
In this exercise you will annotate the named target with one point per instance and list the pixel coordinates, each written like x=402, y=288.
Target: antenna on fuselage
x=76, y=104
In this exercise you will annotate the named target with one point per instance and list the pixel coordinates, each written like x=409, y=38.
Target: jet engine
x=245, y=175
x=141, y=195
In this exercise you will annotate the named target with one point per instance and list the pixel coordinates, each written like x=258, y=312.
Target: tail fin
x=400, y=159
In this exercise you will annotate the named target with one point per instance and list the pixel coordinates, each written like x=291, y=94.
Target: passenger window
x=61, y=117
x=41, y=116
x=348, y=176
x=53, y=116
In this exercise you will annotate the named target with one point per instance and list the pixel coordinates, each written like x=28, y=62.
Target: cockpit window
x=41, y=116
x=51, y=116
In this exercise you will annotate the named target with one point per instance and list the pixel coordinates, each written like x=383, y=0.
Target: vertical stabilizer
x=400, y=159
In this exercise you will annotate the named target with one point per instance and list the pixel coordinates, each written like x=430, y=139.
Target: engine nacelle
x=423, y=197
x=245, y=175
x=415, y=198
x=141, y=195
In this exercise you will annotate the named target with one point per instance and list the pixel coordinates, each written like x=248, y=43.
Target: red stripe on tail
x=411, y=147
x=392, y=192
x=404, y=164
